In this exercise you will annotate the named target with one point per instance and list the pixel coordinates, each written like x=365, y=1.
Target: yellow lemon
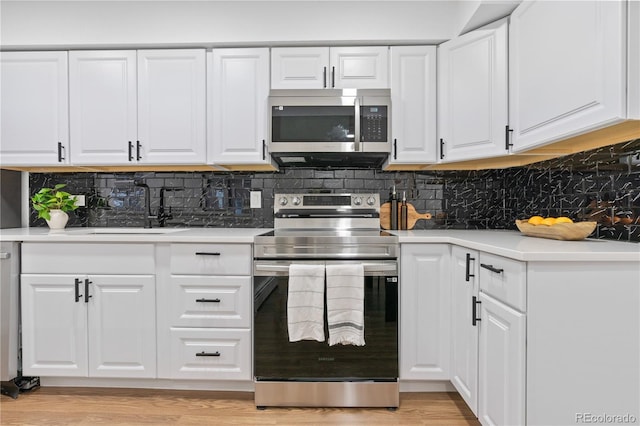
x=564, y=219
x=548, y=221
x=535, y=220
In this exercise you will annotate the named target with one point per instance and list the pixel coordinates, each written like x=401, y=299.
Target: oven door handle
x=370, y=268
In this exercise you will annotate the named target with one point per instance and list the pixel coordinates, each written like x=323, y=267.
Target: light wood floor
x=84, y=406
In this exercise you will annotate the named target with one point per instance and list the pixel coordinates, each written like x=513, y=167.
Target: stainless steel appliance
x=9, y=301
x=326, y=229
x=330, y=127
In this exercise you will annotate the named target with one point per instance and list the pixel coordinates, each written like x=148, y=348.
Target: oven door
x=277, y=359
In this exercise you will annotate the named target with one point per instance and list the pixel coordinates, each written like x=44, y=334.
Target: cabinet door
x=172, y=106
x=299, y=67
x=413, y=96
x=102, y=98
x=34, y=108
x=567, y=65
x=359, y=67
x=238, y=95
x=464, y=334
x=54, y=333
x=122, y=332
x=424, y=312
x=502, y=364
x=472, y=94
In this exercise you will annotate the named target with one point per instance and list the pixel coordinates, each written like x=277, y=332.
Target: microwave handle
x=357, y=138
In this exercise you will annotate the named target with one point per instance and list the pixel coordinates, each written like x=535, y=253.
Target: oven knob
x=283, y=201
x=296, y=201
x=371, y=201
x=357, y=201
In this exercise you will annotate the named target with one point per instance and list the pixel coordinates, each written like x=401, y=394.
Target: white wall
x=91, y=24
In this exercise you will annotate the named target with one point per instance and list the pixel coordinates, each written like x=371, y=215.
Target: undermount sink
x=125, y=231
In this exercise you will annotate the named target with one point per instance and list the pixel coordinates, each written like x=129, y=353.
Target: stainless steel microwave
x=345, y=127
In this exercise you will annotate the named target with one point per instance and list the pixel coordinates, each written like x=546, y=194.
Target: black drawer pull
x=203, y=300
x=491, y=268
x=77, y=289
x=203, y=353
x=468, y=273
x=86, y=290
x=207, y=253
x=474, y=310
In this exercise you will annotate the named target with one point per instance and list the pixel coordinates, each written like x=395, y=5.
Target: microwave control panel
x=373, y=123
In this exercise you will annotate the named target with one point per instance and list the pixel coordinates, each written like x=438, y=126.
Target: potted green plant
x=52, y=205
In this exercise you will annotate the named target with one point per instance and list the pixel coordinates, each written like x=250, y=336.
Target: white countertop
x=511, y=244
x=517, y=246
x=130, y=235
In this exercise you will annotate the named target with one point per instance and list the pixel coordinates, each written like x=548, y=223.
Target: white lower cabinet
x=205, y=331
x=424, y=312
x=81, y=324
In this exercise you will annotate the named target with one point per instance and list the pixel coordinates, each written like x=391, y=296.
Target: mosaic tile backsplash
x=602, y=185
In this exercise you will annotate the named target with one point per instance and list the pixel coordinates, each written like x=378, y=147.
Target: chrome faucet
x=147, y=203
x=162, y=216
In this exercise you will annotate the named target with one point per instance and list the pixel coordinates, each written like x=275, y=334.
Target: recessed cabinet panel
x=172, y=106
x=567, y=69
x=216, y=354
x=505, y=279
x=34, y=108
x=102, y=87
x=54, y=327
x=299, y=67
x=359, y=67
x=210, y=301
x=211, y=259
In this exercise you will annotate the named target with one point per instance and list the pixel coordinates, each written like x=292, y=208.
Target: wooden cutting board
x=412, y=216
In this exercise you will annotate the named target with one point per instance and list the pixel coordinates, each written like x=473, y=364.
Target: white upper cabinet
x=131, y=107
x=473, y=94
x=567, y=69
x=413, y=99
x=34, y=109
x=172, y=106
x=102, y=94
x=336, y=67
x=237, y=98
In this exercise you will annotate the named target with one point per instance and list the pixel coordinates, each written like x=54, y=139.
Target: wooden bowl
x=560, y=231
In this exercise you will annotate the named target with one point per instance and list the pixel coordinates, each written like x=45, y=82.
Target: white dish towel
x=305, y=302
x=345, y=304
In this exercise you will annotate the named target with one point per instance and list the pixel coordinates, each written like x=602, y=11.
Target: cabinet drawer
x=211, y=259
x=505, y=279
x=87, y=258
x=203, y=301
x=210, y=354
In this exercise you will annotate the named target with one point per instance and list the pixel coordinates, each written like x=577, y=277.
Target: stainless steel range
x=326, y=229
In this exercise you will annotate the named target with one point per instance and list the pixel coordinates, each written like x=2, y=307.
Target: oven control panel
x=327, y=201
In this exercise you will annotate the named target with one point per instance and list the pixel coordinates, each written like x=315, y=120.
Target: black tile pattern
x=602, y=185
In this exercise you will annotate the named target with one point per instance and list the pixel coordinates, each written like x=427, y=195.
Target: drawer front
x=504, y=279
x=211, y=259
x=210, y=354
x=88, y=258
x=204, y=301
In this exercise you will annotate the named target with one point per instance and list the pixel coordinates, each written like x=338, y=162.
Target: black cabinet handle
x=324, y=77
x=333, y=77
x=264, y=150
x=507, y=132
x=468, y=273
x=492, y=268
x=203, y=353
x=138, y=148
x=441, y=148
x=474, y=310
x=86, y=290
x=77, y=284
x=60, y=150
x=395, y=149
x=203, y=300
x=207, y=253
x=130, y=151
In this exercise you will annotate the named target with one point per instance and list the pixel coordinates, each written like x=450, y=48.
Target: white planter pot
x=58, y=219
